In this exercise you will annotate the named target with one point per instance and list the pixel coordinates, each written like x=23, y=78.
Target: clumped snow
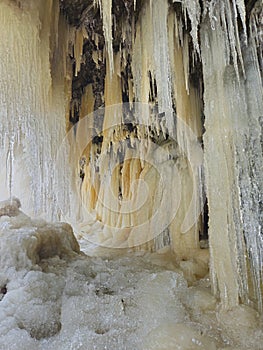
x=53, y=296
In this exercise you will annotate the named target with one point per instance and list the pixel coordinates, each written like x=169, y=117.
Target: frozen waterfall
x=139, y=123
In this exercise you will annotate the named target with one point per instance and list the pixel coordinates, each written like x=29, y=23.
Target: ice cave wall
x=108, y=110
x=33, y=88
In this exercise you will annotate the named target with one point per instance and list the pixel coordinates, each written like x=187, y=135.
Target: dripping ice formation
x=198, y=69
x=231, y=60
x=32, y=103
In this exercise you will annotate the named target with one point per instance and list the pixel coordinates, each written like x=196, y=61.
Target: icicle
x=186, y=62
x=95, y=57
x=106, y=13
x=87, y=104
x=78, y=48
x=232, y=142
x=242, y=12
x=194, y=14
x=255, y=29
x=162, y=64
x=219, y=188
x=227, y=11
x=10, y=164
x=151, y=58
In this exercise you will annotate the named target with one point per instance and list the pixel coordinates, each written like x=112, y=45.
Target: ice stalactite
x=226, y=12
x=256, y=35
x=151, y=63
x=10, y=164
x=106, y=13
x=232, y=111
x=127, y=183
x=161, y=69
x=188, y=132
x=221, y=189
x=249, y=165
x=78, y=47
x=193, y=10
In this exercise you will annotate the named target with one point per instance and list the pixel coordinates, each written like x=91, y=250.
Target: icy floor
x=55, y=297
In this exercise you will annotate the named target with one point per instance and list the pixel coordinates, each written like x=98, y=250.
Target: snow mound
x=10, y=207
x=32, y=256
x=24, y=243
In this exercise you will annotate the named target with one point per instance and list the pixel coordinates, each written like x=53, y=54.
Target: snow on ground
x=53, y=296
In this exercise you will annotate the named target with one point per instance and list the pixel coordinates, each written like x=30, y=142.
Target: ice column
x=233, y=164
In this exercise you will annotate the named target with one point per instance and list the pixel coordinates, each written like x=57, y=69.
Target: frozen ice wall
x=143, y=169
x=191, y=78
x=32, y=102
x=233, y=159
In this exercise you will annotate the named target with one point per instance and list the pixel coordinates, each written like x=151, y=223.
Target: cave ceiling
x=87, y=14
